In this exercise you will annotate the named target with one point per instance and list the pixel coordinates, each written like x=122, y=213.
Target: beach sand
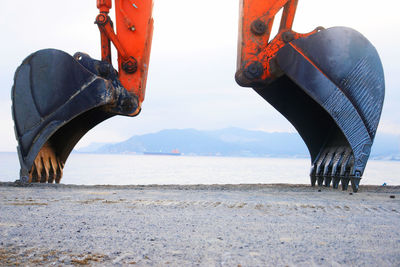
x=204, y=225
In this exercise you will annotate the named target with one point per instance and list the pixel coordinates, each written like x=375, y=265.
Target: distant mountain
x=231, y=142
x=92, y=148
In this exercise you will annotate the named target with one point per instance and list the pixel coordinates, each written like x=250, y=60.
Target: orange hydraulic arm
x=256, y=52
x=132, y=41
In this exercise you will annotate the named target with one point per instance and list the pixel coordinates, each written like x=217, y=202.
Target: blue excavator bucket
x=331, y=89
x=56, y=99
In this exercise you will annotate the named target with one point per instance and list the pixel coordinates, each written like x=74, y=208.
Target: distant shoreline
x=375, y=158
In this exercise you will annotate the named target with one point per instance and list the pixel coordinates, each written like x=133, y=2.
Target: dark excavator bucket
x=332, y=91
x=56, y=99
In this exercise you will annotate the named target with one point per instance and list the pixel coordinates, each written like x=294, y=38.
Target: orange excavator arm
x=132, y=41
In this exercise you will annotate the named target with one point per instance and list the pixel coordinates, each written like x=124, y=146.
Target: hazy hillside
x=230, y=142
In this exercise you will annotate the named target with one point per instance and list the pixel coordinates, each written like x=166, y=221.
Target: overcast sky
x=192, y=65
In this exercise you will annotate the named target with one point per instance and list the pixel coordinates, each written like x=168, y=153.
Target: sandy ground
x=232, y=225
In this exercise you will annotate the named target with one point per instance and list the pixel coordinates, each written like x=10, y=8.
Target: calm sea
x=92, y=169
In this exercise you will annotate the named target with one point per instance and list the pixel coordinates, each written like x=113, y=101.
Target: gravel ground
x=205, y=225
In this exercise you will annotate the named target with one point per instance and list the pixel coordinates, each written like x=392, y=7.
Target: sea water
x=91, y=169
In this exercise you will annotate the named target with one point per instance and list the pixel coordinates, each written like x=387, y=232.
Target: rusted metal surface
x=47, y=167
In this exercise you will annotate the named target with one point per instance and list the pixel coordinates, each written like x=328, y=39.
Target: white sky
x=193, y=60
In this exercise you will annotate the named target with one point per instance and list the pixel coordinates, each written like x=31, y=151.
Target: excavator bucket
x=328, y=83
x=331, y=88
x=56, y=99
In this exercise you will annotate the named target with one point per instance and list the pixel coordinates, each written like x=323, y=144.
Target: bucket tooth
x=33, y=175
x=355, y=183
x=345, y=170
x=345, y=163
x=319, y=168
x=331, y=89
x=336, y=166
x=52, y=164
x=45, y=172
x=51, y=172
x=56, y=99
x=38, y=169
x=328, y=167
x=313, y=180
x=345, y=183
x=327, y=181
x=335, y=182
x=59, y=172
x=320, y=180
